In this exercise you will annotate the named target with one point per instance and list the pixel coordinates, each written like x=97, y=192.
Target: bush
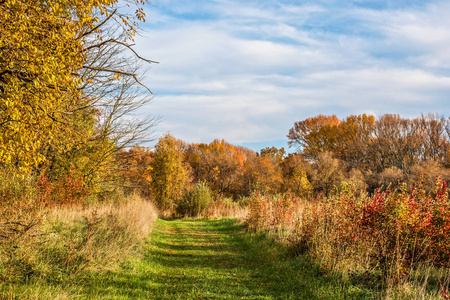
x=390, y=233
x=195, y=201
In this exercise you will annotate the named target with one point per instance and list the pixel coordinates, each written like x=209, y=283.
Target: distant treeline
x=371, y=152
x=366, y=143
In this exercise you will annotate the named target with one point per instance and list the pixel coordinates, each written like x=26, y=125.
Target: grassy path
x=216, y=259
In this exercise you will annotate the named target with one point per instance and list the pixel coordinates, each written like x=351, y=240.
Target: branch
x=135, y=53
x=123, y=44
x=99, y=25
x=119, y=72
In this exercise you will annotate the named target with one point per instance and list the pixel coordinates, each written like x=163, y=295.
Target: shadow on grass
x=216, y=259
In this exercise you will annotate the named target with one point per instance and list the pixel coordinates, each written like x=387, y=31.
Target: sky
x=245, y=71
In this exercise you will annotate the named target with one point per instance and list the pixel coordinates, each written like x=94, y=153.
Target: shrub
x=67, y=190
x=195, y=201
x=390, y=233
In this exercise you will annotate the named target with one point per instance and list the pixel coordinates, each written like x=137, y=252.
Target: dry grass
x=226, y=208
x=71, y=241
x=98, y=236
x=136, y=214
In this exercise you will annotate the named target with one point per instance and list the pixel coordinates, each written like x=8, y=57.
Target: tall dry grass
x=42, y=244
x=97, y=236
x=224, y=207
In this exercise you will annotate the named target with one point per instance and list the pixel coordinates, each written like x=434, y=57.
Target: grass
x=216, y=259
x=73, y=246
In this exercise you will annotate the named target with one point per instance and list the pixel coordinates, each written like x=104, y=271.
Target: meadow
x=349, y=245
x=359, y=209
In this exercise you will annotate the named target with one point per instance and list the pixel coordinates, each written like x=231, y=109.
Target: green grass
x=216, y=259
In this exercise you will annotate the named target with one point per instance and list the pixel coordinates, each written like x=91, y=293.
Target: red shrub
x=395, y=230
x=66, y=191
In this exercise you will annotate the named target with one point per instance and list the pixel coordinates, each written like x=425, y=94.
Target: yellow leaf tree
x=168, y=174
x=50, y=53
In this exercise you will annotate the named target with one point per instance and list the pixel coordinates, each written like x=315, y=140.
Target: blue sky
x=245, y=71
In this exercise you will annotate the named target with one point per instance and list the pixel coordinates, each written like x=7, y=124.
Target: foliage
x=64, y=86
x=274, y=152
x=135, y=172
x=327, y=172
x=39, y=55
x=218, y=163
x=66, y=191
x=314, y=135
x=261, y=173
x=388, y=233
x=295, y=175
x=169, y=176
x=195, y=201
x=365, y=143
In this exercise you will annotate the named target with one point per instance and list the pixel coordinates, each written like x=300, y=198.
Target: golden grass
x=136, y=214
x=226, y=208
x=100, y=235
x=72, y=241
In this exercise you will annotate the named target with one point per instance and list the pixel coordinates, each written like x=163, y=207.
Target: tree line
x=384, y=152
x=70, y=82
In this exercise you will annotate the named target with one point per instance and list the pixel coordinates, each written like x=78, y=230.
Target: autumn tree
x=134, y=171
x=64, y=83
x=369, y=144
x=261, y=173
x=314, y=135
x=39, y=55
x=169, y=177
x=354, y=140
x=278, y=154
x=218, y=163
x=328, y=173
x=295, y=170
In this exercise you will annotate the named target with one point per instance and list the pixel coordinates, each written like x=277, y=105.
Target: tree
x=38, y=56
x=135, y=172
x=353, y=144
x=62, y=66
x=168, y=174
x=368, y=144
x=327, y=173
x=314, y=135
x=218, y=163
x=262, y=173
x=295, y=171
x=274, y=152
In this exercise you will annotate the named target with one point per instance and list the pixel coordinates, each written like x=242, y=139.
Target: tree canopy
x=53, y=58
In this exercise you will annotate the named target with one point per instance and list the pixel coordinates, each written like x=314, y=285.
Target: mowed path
x=217, y=259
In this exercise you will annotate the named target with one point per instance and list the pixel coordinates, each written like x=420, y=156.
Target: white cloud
x=246, y=72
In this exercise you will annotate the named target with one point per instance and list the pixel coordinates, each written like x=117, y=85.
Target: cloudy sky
x=245, y=71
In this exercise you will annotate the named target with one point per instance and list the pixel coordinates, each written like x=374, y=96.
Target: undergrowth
x=43, y=247
x=396, y=242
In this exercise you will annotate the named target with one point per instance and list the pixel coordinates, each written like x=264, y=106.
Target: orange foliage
x=135, y=172
x=218, y=163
